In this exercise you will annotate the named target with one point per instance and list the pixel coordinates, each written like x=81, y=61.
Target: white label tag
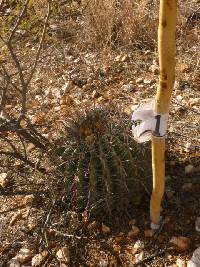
x=150, y=123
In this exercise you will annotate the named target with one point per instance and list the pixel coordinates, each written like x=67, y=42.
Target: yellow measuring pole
x=166, y=49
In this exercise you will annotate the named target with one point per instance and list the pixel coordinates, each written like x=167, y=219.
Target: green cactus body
x=103, y=164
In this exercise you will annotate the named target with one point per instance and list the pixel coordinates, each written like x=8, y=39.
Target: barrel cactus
x=104, y=169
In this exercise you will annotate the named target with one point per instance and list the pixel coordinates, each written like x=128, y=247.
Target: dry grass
x=113, y=23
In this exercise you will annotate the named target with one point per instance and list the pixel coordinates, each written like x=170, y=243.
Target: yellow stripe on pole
x=166, y=49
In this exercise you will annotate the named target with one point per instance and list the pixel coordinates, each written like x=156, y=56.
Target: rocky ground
x=35, y=229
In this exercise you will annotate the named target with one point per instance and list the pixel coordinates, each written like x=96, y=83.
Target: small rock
x=4, y=181
x=161, y=238
x=58, y=108
x=53, y=27
x=31, y=226
x=195, y=261
x=134, y=232
x=38, y=259
x=146, y=81
x=189, y=168
x=63, y=254
x=119, y=237
x=14, y=263
x=139, y=80
x=172, y=163
x=105, y=229
x=67, y=87
x=28, y=200
x=30, y=147
x=95, y=94
x=124, y=58
x=188, y=187
x=169, y=193
x=103, y=263
x=184, y=67
x=180, y=263
x=192, y=264
x=154, y=69
x=139, y=257
x=167, y=220
x=181, y=243
x=197, y=224
x=167, y=178
x=132, y=222
x=189, y=147
x=101, y=99
x=68, y=100
x=148, y=233
x=138, y=245
x=128, y=87
x=118, y=58
x=24, y=255
x=116, y=248
x=179, y=98
x=194, y=101
x=15, y=217
x=147, y=52
x=93, y=226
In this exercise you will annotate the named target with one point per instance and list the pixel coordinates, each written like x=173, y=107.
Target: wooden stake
x=166, y=49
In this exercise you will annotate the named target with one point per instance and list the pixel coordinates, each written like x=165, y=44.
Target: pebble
x=15, y=217
x=38, y=259
x=188, y=187
x=146, y=81
x=124, y=58
x=134, y=232
x=105, y=229
x=194, y=102
x=179, y=98
x=197, y=224
x=4, y=179
x=181, y=243
x=63, y=254
x=93, y=225
x=132, y=222
x=14, y=263
x=138, y=245
x=180, y=263
x=189, y=147
x=148, y=233
x=169, y=193
x=154, y=69
x=195, y=261
x=188, y=169
x=139, y=257
x=95, y=94
x=128, y=87
x=24, y=255
x=67, y=87
x=139, y=80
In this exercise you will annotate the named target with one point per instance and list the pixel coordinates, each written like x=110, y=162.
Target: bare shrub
x=109, y=23
x=16, y=74
x=99, y=21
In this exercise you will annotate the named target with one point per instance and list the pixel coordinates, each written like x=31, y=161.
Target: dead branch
x=8, y=43
x=18, y=156
x=40, y=43
x=23, y=193
x=19, y=19
x=14, y=126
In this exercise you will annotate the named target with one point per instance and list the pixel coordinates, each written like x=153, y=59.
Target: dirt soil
x=69, y=78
